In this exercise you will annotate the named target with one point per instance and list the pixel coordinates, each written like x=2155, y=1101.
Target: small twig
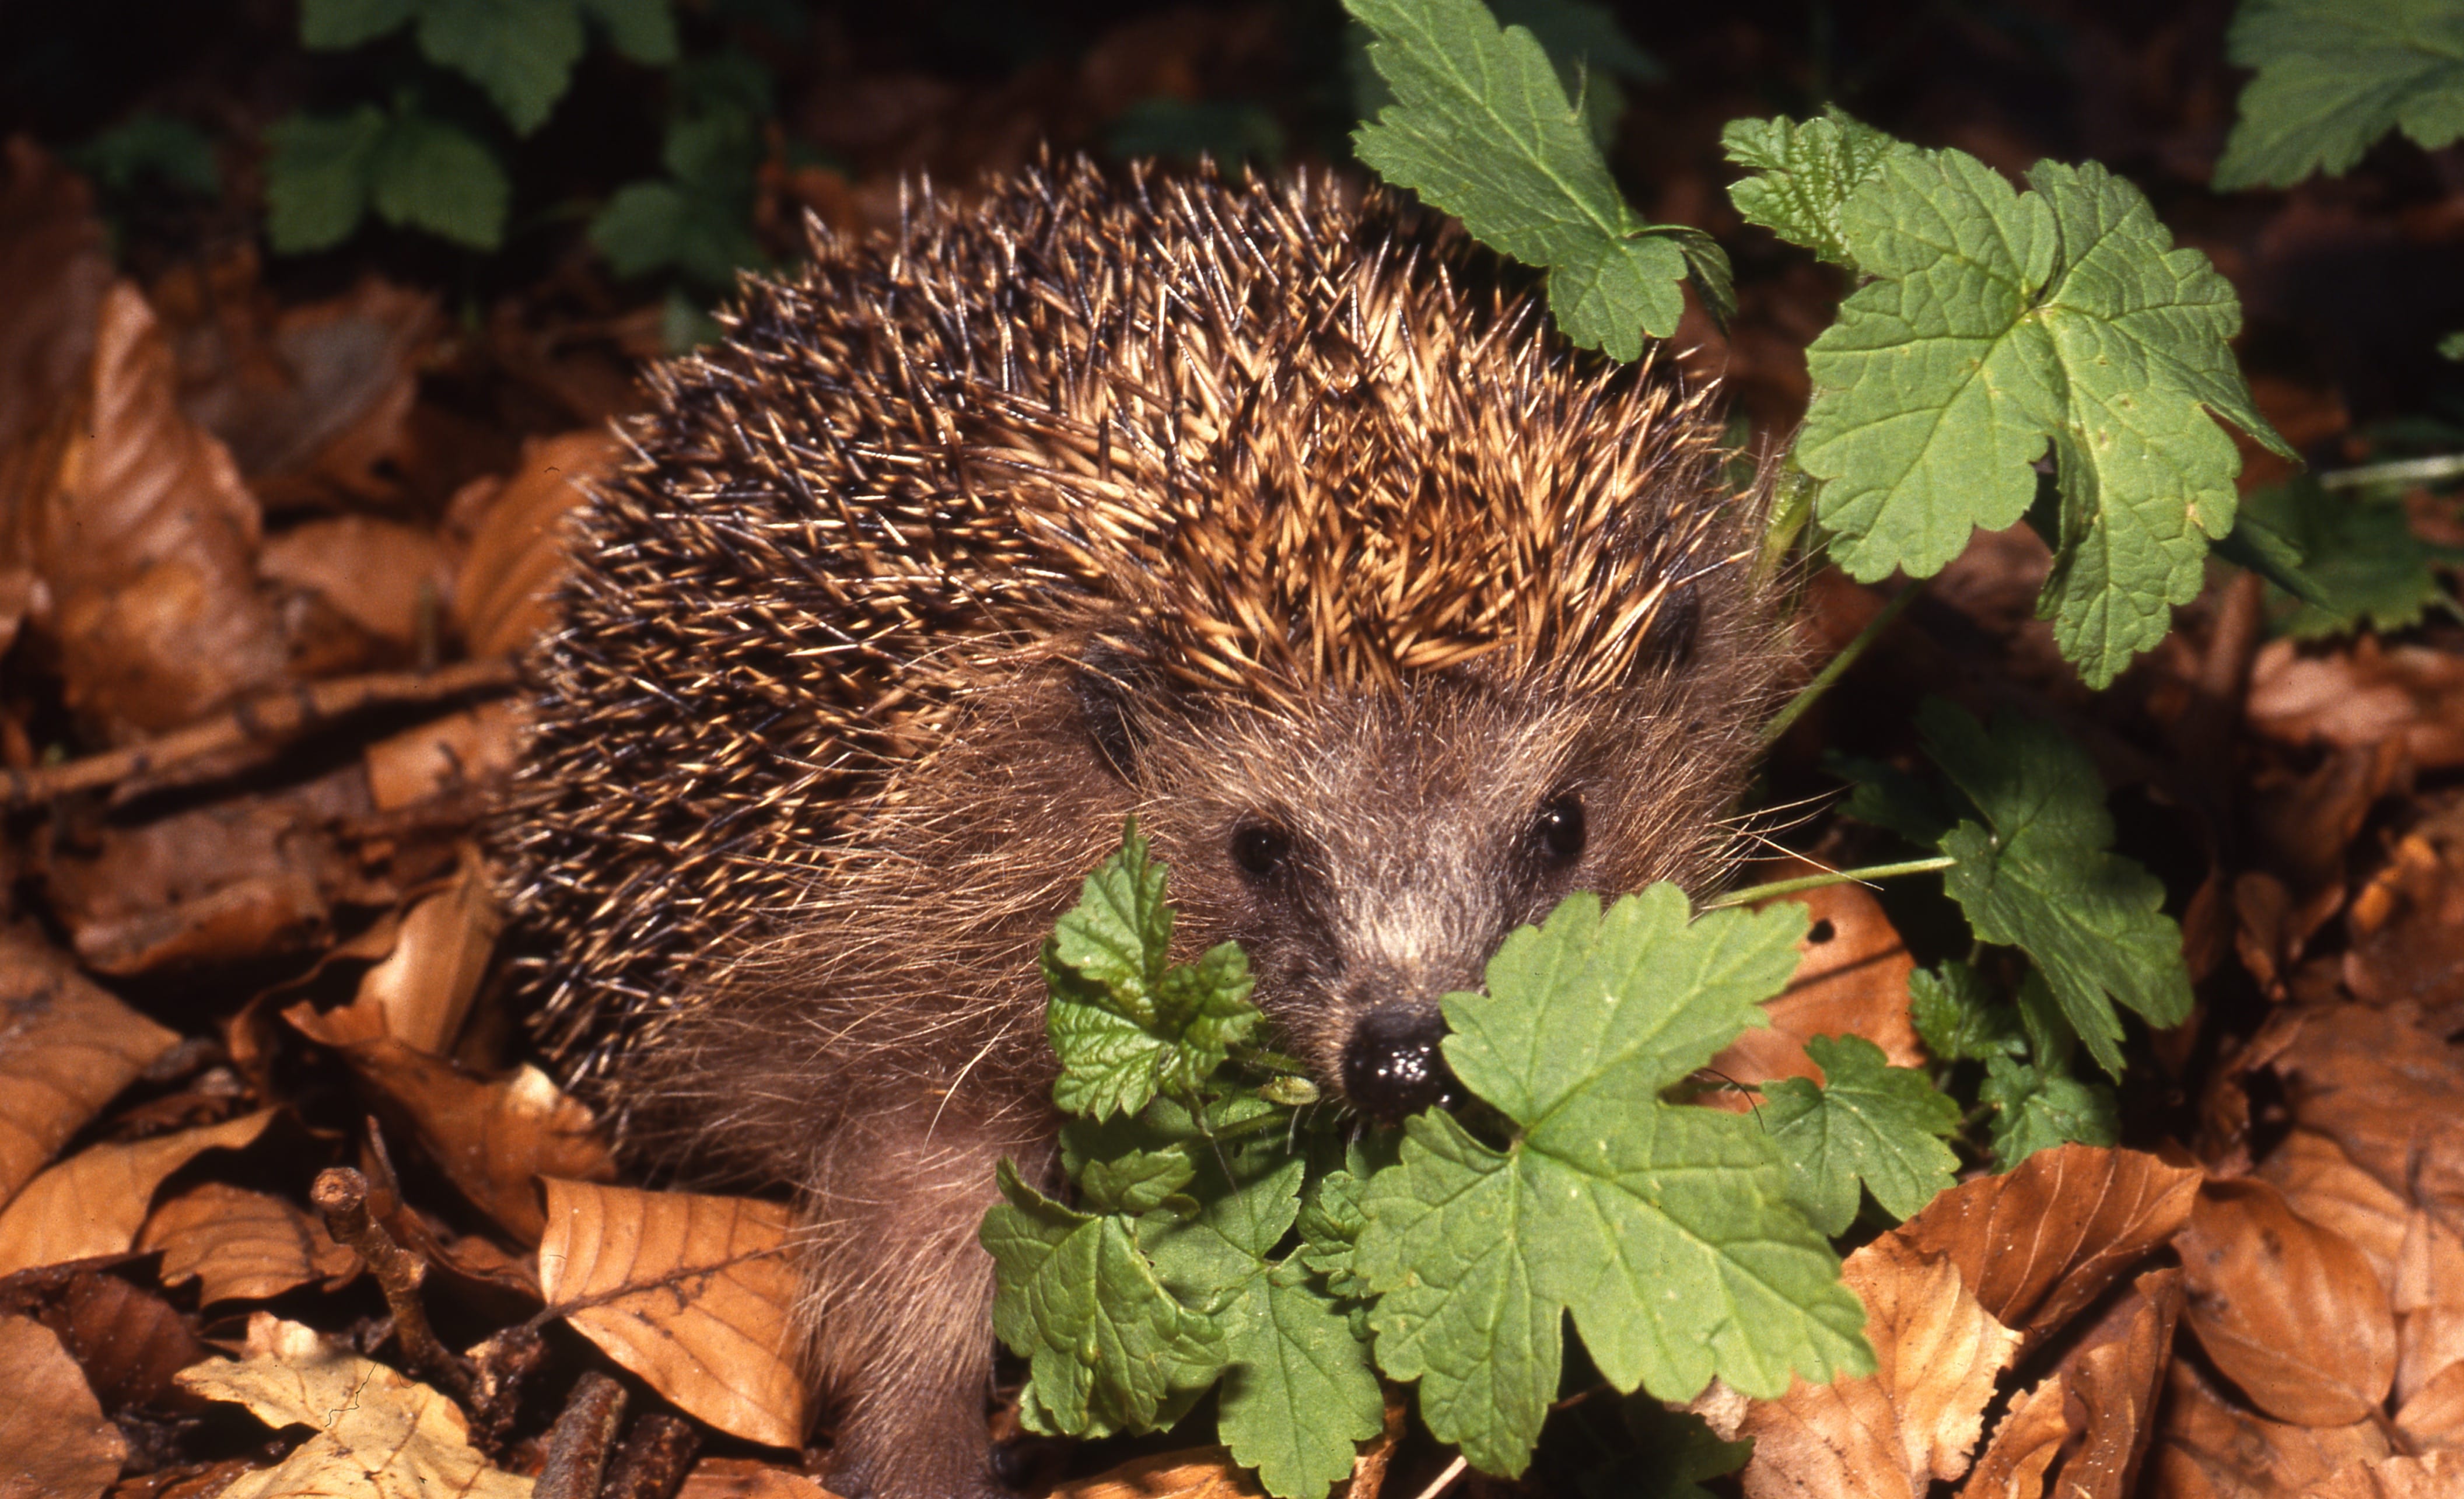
x=2400, y=470
x=1869, y=874
x=1445, y=1480
x=266, y=718
x=653, y=1462
x=1837, y=666
x=578, y=1443
x=341, y=1194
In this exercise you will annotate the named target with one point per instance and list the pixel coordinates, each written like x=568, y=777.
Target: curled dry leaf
x=2043, y=1241
x=2363, y=693
x=94, y=1202
x=378, y=1433
x=694, y=1293
x=1197, y=1473
x=66, y=1047
x=517, y=553
x=2025, y=1444
x=1917, y=1416
x=1852, y=980
x=54, y=1443
x=2115, y=1374
x=242, y=1245
x=2432, y=1418
x=2433, y=1475
x=2209, y=1447
x=746, y=1478
x=424, y=987
x=130, y=1341
x=476, y=748
x=136, y=521
x=2409, y=929
x=2290, y=1312
x=386, y=577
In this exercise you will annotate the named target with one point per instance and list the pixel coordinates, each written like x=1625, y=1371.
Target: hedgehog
x=1271, y=514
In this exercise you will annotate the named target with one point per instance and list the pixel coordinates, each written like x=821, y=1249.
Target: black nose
x=1393, y=1066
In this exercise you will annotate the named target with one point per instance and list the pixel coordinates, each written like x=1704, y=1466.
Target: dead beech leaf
x=492, y=1136
x=462, y=751
x=384, y=576
x=2433, y=1475
x=1195, y=1474
x=2210, y=1448
x=2377, y=1081
x=2290, y=1312
x=1915, y=1418
x=424, y=987
x=55, y=263
x=2434, y=1416
x=131, y=1343
x=2321, y=1182
x=747, y=1478
x=691, y=1292
x=2115, y=1374
x=2024, y=1445
x=2428, y=1340
x=2363, y=693
x=137, y=522
x=94, y=1202
x=54, y=1443
x=2046, y=1239
x=517, y=550
x=378, y=1433
x=66, y=1049
x=1852, y=980
x=242, y=1245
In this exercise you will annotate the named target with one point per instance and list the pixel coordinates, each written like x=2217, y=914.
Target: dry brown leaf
x=2434, y=1475
x=2377, y=1082
x=1852, y=980
x=2427, y=1340
x=492, y=1136
x=2290, y=1312
x=242, y=1245
x=1915, y=1418
x=66, y=1047
x=2432, y=1417
x=2115, y=1374
x=2363, y=693
x=2210, y=1448
x=2024, y=1445
x=54, y=1443
x=424, y=987
x=516, y=554
x=386, y=577
x=378, y=1433
x=2321, y=1182
x=2049, y=1236
x=1195, y=1473
x=747, y=1478
x=145, y=540
x=461, y=751
x=2407, y=927
x=691, y=1292
x=94, y=1202
x=128, y=1340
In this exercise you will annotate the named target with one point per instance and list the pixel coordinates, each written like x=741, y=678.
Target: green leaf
x=1591, y=52
x=1231, y=131
x=2451, y=346
x=520, y=53
x=317, y=177
x=1665, y=1230
x=1480, y=128
x=1299, y=1394
x=1890, y=798
x=1958, y=1017
x=1125, y=1021
x=427, y=174
x=2037, y=874
x=1869, y=1121
x=1107, y=1345
x=1140, y=1181
x=1999, y=325
x=2336, y=74
x=161, y=147
x=331, y=24
x=1331, y=1220
x=1806, y=171
x=2362, y=559
x=2262, y=542
x=643, y=31
x=2038, y=1110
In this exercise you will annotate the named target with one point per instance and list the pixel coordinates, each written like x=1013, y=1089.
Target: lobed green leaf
x=1806, y=172
x=1870, y=1122
x=2336, y=74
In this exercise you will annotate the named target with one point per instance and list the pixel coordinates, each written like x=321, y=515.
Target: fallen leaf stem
x=1870, y=873
x=1837, y=666
x=578, y=1443
x=341, y=1194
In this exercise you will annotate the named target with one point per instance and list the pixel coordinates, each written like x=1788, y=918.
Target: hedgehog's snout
x=1393, y=1066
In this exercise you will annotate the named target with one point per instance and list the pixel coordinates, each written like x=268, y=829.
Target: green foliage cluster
x=2333, y=77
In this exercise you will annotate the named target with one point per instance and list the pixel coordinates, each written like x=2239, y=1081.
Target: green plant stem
x=1837, y=666
x=1871, y=871
x=2401, y=470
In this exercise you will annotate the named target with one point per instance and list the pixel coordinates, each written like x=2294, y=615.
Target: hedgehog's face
x=1372, y=857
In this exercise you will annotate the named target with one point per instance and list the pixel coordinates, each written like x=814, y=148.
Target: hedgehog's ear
x=1107, y=677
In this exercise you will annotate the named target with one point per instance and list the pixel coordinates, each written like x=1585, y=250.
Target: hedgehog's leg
x=901, y=1297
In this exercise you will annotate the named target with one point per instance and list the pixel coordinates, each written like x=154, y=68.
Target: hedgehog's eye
x=1559, y=831
x=1260, y=849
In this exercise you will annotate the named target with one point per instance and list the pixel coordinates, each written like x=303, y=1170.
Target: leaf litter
x=2265, y=1294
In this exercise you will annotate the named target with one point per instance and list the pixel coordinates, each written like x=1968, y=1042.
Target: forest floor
x=275, y=534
